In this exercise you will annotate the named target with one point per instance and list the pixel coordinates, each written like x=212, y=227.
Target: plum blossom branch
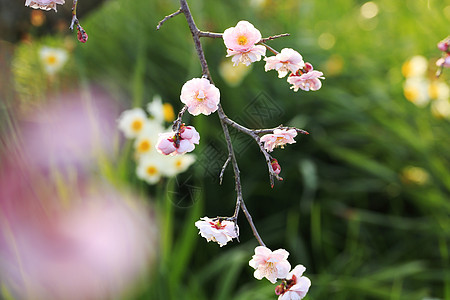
x=205, y=71
x=81, y=33
x=272, y=163
x=167, y=18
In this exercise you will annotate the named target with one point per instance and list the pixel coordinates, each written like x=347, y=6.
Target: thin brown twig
x=160, y=23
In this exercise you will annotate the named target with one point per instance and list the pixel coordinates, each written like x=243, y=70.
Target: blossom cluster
x=243, y=44
x=273, y=265
x=136, y=124
x=422, y=88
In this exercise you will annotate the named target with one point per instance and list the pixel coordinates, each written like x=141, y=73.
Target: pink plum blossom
x=295, y=286
x=443, y=62
x=306, y=79
x=279, y=138
x=200, y=96
x=171, y=143
x=217, y=230
x=271, y=265
x=43, y=4
x=285, y=61
x=444, y=44
x=241, y=43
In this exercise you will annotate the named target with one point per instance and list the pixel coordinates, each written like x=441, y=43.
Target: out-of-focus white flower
x=217, y=230
x=233, y=75
x=271, y=265
x=288, y=60
x=146, y=140
x=132, y=122
x=295, y=286
x=200, y=96
x=43, y=4
x=415, y=67
x=441, y=108
x=53, y=59
x=150, y=168
x=415, y=90
x=160, y=111
x=174, y=165
x=438, y=90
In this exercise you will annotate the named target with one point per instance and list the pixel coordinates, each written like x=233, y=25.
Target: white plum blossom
x=288, y=60
x=132, y=122
x=295, y=286
x=200, y=96
x=43, y=4
x=241, y=43
x=217, y=230
x=271, y=265
x=53, y=59
x=279, y=138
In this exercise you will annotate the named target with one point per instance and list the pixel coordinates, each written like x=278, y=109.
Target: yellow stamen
x=242, y=40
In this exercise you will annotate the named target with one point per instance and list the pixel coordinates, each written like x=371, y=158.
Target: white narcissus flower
x=146, y=140
x=241, y=43
x=150, y=168
x=217, y=230
x=174, y=165
x=43, y=4
x=53, y=59
x=160, y=111
x=285, y=61
x=415, y=67
x=416, y=90
x=132, y=122
x=271, y=265
x=279, y=138
x=200, y=96
x=295, y=286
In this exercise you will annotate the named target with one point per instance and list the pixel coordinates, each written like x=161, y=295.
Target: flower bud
x=275, y=166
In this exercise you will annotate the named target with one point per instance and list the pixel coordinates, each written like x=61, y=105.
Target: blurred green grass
x=345, y=209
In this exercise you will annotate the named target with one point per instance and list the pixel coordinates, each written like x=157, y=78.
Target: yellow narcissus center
x=242, y=40
x=136, y=125
x=51, y=60
x=411, y=94
x=178, y=163
x=151, y=170
x=168, y=113
x=433, y=90
x=144, y=146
